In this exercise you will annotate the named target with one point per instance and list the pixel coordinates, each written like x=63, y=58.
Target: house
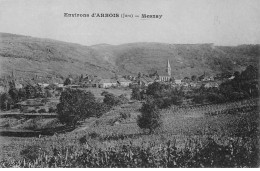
x=18, y=85
x=2, y=89
x=192, y=84
x=232, y=77
x=104, y=83
x=43, y=85
x=211, y=84
x=123, y=82
x=73, y=86
x=178, y=81
x=59, y=85
x=145, y=81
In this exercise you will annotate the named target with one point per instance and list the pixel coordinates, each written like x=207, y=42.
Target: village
x=39, y=95
x=143, y=80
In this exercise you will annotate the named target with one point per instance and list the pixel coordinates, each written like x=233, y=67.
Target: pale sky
x=222, y=22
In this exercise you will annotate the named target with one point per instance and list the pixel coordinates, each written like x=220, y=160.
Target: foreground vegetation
x=234, y=154
x=189, y=137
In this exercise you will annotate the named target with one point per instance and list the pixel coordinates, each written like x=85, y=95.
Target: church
x=164, y=76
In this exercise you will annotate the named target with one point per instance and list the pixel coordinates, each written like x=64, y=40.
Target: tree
x=157, y=90
x=77, y=105
x=39, y=92
x=30, y=91
x=194, y=78
x=136, y=93
x=14, y=94
x=48, y=93
x=250, y=73
x=22, y=94
x=139, y=75
x=150, y=117
x=111, y=100
x=81, y=78
x=6, y=101
x=67, y=81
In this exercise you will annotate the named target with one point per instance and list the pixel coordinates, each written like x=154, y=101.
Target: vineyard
x=222, y=135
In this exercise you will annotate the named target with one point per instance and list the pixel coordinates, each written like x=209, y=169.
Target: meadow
x=221, y=135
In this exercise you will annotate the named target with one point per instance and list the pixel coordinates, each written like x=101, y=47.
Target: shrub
x=30, y=152
x=125, y=115
x=112, y=100
x=93, y=135
x=42, y=111
x=6, y=101
x=195, y=154
x=199, y=98
x=14, y=94
x=136, y=94
x=123, y=99
x=48, y=93
x=216, y=98
x=52, y=110
x=33, y=111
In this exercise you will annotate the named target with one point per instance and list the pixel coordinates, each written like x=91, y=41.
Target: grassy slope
x=50, y=57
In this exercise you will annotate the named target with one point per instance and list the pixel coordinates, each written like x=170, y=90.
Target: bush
x=42, y=111
x=14, y=94
x=30, y=152
x=52, y=110
x=198, y=99
x=112, y=100
x=125, y=115
x=33, y=111
x=93, y=135
x=195, y=154
x=216, y=98
x=6, y=101
x=150, y=117
x=136, y=94
x=48, y=93
x=123, y=99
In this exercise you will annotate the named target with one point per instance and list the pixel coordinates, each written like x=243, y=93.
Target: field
x=116, y=91
x=184, y=128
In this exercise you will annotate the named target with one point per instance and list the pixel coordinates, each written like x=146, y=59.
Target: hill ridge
x=61, y=59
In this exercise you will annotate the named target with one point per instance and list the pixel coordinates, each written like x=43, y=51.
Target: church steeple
x=169, y=70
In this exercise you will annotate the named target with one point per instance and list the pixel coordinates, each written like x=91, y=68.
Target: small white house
x=18, y=86
x=2, y=89
x=123, y=82
x=232, y=77
x=43, y=84
x=105, y=83
x=211, y=84
x=177, y=81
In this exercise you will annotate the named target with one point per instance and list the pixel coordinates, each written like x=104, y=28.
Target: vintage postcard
x=129, y=83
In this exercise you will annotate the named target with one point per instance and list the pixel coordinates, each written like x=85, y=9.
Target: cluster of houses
x=124, y=81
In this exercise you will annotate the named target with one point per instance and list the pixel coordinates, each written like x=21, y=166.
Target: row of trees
x=10, y=98
x=244, y=85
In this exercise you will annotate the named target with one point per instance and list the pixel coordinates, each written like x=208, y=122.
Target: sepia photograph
x=129, y=83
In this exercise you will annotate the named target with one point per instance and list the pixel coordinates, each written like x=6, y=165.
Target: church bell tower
x=168, y=69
